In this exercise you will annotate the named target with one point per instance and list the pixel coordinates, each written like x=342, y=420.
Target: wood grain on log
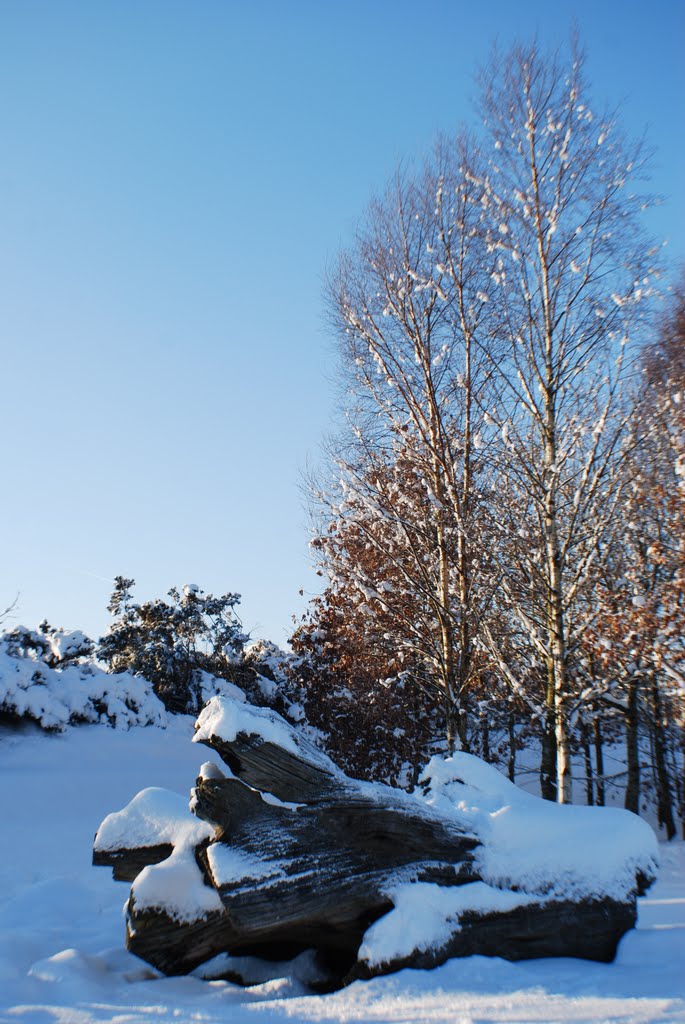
x=292, y=778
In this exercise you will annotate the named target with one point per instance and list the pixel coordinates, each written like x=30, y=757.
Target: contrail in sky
x=87, y=572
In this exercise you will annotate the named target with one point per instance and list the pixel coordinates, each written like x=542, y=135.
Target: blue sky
x=175, y=178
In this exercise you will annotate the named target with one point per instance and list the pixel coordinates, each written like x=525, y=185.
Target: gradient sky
x=175, y=178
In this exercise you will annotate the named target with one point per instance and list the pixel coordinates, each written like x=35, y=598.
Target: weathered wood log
x=302, y=777
x=288, y=853
x=304, y=876
x=126, y=864
x=590, y=930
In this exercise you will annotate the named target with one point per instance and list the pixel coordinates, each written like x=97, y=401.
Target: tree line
x=499, y=523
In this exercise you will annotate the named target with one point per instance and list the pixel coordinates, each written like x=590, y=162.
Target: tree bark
x=663, y=781
x=589, y=779
x=632, y=794
x=599, y=759
x=548, y=747
x=511, y=763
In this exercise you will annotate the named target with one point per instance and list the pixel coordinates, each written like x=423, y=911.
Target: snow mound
x=537, y=847
x=154, y=816
x=177, y=886
x=531, y=853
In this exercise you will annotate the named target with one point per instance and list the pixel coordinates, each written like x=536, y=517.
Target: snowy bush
x=171, y=643
x=44, y=678
x=53, y=677
x=56, y=647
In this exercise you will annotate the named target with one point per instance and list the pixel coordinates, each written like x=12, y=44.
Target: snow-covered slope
x=62, y=956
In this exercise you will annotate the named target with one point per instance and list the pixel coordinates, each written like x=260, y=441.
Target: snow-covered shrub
x=56, y=647
x=44, y=678
x=268, y=660
x=157, y=657
x=171, y=643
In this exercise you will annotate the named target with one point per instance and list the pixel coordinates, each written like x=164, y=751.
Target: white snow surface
x=62, y=955
x=176, y=884
x=227, y=718
x=538, y=847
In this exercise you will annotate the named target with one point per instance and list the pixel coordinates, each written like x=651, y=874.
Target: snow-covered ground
x=62, y=956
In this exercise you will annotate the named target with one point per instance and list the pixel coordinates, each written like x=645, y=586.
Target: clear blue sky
x=174, y=179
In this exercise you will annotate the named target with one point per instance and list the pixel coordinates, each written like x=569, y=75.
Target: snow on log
x=283, y=852
x=146, y=832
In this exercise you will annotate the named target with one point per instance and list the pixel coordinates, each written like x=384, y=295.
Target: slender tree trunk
x=448, y=666
x=456, y=717
x=548, y=753
x=632, y=797
x=663, y=781
x=599, y=759
x=451, y=724
x=555, y=595
x=564, y=776
x=511, y=766
x=453, y=715
x=587, y=757
x=557, y=647
x=464, y=676
x=463, y=557
x=457, y=723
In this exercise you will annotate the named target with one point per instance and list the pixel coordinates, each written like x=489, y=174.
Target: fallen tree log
x=283, y=853
x=126, y=864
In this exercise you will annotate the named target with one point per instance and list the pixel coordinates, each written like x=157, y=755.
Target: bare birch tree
x=487, y=318
x=566, y=299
